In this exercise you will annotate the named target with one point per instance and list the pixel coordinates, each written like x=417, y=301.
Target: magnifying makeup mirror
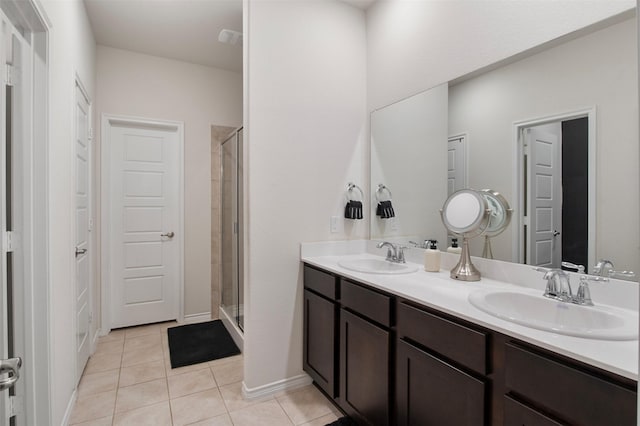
x=466, y=213
x=500, y=217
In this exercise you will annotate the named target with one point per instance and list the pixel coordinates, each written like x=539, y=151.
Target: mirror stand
x=486, y=252
x=465, y=270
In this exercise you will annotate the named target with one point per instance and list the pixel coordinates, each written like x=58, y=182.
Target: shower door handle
x=170, y=234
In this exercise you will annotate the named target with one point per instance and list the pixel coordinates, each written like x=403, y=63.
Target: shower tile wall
x=218, y=134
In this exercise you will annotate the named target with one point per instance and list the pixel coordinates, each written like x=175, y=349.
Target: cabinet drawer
x=321, y=282
x=565, y=390
x=518, y=414
x=369, y=303
x=450, y=339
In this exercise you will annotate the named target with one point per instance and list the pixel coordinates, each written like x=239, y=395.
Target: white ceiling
x=186, y=30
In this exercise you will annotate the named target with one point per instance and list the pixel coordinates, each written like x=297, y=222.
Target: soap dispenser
x=432, y=257
x=454, y=247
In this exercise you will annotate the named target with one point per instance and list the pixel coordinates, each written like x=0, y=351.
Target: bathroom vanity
x=387, y=357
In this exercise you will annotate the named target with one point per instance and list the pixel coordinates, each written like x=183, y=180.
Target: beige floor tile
x=165, y=325
x=109, y=347
x=197, y=407
x=229, y=372
x=142, y=394
x=305, y=405
x=322, y=421
x=226, y=360
x=191, y=382
x=91, y=384
x=103, y=362
x=233, y=399
x=223, y=420
x=267, y=413
x=182, y=370
x=152, y=415
x=147, y=341
x=142, y=356
x=141, y=373
x=142, y=330
x=93, y=407
x=114, y=335
x=105, y=421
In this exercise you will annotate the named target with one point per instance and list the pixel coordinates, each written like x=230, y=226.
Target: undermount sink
x=377, y=266
x=592, y=322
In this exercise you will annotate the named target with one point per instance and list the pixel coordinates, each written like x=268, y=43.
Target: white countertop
x=439, y=291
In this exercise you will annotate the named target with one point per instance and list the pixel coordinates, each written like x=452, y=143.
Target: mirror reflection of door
x=456, y=167
x=555, y=178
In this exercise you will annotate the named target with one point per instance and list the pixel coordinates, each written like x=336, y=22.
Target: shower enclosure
x=232, y=297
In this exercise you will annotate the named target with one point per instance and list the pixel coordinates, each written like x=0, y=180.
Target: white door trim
x=518, y=126
x=36, y=311
x=107, y=121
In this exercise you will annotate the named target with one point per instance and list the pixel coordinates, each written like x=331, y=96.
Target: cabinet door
x=364, y=370
x=320, y=327
x=432, y=392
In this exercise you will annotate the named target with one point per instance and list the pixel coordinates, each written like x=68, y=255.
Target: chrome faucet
x=603, y=267
x=558, y=285
x=395, y=253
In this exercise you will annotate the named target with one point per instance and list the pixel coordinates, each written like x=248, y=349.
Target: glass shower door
x=232, y=299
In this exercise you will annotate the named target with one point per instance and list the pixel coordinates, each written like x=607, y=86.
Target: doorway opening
x=556, y=190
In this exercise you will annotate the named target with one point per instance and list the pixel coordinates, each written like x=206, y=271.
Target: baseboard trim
x=193, y=318
x=271, y=389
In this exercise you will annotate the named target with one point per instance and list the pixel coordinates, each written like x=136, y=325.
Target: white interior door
x=82, y=230
x=456, y=169
x=144, y=220
x=544, y=198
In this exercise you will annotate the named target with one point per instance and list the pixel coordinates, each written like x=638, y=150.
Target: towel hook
x=350, y=187
x=380, y=190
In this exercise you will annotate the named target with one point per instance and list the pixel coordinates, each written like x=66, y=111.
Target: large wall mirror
x=555, y=131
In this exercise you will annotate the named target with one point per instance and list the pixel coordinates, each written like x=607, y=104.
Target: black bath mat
x=202, y=342
x=343, y=421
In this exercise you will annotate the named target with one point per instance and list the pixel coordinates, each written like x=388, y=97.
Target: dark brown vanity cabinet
x=439, y=371
x=320, y=356
x=365, y=351
x=388, y=361
x=545, y=389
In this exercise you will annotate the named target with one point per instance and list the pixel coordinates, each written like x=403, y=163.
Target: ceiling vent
x=230, y=36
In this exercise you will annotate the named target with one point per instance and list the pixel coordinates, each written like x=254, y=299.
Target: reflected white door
x=544, y=198
x=83, y=214
x=144, y=220
x=456, y=167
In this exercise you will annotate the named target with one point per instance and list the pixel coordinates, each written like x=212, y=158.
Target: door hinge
x=90, y=227
x=91, y=133
x=9, y=244
x=90, y=317
x=525, y=221
x=16, y=405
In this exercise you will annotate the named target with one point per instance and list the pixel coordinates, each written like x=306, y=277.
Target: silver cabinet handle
x=168, y=234
x=10, y=366
x=80, y=251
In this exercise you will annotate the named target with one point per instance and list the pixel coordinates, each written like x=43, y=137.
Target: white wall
x=416, y=126
x=415, y=45
x=305, y=128
x=140, y=85
x=598, y=70
x=71, y=50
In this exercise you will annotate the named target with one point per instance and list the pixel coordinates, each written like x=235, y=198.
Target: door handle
x=555, y=233
x=10, y=366
x=80, y=251
x=170, y=234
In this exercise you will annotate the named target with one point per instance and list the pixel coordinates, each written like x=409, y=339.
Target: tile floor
x=129, y=381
